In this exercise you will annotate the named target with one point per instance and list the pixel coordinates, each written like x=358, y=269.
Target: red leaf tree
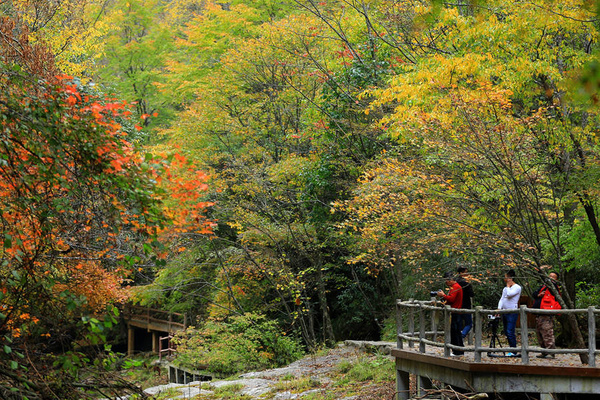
x=79, y=207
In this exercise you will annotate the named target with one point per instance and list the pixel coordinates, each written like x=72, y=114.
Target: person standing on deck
x=544, y=324
x=454, y=299
x=466, y=320
x=509, y=301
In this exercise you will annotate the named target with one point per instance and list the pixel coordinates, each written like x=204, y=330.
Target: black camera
x=433, y=293
x=493, y=322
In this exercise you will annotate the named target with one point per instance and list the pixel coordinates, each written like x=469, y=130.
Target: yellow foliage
x=69, y=28
x=494, y=57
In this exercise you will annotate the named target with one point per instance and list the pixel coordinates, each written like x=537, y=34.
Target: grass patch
x=288, y=377
x=297, y=385
x=229, y=389
x=168, y=394
x=379, y=369
x=344, y=366
x=230, y=392
x=321, y=396
x=372, y=369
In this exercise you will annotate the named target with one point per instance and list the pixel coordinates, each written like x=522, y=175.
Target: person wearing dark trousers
x=544, y=324
x=509, y=301
x=454, y=299
x=466, y=320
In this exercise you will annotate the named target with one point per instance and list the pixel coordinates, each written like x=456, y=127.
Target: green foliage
x=242, y=343
x=344, y=366
x=142, y=371
x=136, y=48
x=581, y=249
x=389, y=330
x=184, y=285
x=588, y=294
x=321, y=396
x=361, y=305
x=167, y=394
x=376, y=369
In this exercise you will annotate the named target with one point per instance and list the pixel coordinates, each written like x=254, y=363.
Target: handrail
x=420, y=334
x=154, y=310
x=147, y=314
x=129, y=308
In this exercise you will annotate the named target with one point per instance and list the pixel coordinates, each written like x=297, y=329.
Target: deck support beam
x=130, y=340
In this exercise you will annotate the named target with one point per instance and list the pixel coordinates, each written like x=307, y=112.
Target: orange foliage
x=76, y=198
x=90, y=279
x=186, y=186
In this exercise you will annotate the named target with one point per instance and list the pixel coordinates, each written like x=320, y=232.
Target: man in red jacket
x=454, y=299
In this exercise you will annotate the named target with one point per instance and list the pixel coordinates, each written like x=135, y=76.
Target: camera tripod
x=493, y=324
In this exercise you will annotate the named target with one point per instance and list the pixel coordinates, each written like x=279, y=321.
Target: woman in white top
x=510, y=300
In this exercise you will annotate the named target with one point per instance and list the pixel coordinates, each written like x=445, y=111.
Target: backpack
x=548, y=301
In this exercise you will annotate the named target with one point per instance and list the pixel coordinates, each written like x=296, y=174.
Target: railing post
x=434, y=319
x=411, y=325
x=421, y=328
x=478, y=333
x=399, y=342
x=592, y=336
x=446, y=331
x=524, y=335
x=160, y=348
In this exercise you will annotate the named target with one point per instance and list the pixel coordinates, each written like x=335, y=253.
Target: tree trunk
x=311, y=338
x=578, y=337
x=327, y=325
x=573, y=327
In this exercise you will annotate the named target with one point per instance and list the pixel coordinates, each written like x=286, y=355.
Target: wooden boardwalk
x=500, y=375
x=423, y=350
x=155, y=322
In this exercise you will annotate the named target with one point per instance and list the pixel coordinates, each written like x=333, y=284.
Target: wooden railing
x=152, y=316
x=423, y=336
x=167, y=350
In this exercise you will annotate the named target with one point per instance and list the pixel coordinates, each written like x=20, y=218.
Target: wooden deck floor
x=561, y=360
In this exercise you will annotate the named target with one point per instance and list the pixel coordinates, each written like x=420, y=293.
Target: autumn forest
x=280, y=171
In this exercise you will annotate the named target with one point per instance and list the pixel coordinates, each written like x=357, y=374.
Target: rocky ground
x=313, y=377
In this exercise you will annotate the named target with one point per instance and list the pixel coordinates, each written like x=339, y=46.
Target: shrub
x=587, y=295
x=238, y=344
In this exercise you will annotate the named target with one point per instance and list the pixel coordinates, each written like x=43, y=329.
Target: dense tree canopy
x=361, y=148
x=354, y=151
